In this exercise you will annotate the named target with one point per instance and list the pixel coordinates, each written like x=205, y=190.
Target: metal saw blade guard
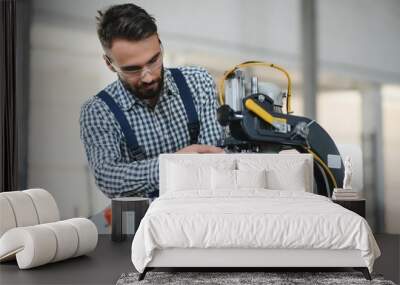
x=254, y=121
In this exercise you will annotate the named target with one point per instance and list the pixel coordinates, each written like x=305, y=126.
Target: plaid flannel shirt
x=162, y=130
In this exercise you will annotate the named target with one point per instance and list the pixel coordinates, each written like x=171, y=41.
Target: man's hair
x=127, y=21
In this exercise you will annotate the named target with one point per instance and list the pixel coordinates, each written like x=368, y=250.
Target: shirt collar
x=169, y=84
x=123, y=97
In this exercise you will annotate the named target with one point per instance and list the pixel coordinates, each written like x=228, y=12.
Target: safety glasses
x=137, y=71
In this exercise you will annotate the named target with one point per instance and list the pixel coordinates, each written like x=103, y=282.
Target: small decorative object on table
x=347, y=197
x=126, y=213
x=347, y=192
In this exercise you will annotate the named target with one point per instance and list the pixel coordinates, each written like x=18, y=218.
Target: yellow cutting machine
x=252, y=113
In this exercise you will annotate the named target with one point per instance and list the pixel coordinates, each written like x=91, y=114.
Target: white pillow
x=227, y=179
x=284, y=172
x=193, y=171
x=223, y=179
x=291, y=178
x=251, y=178
x=182, y=177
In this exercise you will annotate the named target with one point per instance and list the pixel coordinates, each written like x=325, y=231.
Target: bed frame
x=241, y=259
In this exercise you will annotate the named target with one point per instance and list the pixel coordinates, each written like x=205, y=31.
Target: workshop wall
x=358, y=43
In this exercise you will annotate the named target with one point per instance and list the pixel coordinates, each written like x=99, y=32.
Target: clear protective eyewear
x=136, y=71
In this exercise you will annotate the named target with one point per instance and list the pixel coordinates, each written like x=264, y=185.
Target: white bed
x=202, y=220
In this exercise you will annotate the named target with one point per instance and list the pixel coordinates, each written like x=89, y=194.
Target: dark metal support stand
x=364, y=271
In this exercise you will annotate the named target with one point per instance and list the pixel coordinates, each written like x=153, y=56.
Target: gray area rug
x=225, y=278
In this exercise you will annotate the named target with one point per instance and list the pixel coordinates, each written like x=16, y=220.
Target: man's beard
x=142, y=91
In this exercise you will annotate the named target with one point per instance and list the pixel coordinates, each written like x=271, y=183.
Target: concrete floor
x=110, y=260
x=102, y=266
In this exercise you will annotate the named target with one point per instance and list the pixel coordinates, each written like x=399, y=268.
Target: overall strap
x=187, y=99
x=124, y=124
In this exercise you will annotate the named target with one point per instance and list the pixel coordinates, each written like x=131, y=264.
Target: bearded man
x=147, y=111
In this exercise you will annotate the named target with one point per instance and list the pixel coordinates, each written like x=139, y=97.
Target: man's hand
x=200, y=148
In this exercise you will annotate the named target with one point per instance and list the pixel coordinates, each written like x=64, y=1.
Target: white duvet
x=250, y=219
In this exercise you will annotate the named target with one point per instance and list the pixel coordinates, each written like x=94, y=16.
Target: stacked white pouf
x=31, y=232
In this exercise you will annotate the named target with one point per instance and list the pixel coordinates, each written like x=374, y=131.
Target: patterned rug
x=229, y=278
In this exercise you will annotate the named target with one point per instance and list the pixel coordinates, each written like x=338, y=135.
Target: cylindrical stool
x=123, y=206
